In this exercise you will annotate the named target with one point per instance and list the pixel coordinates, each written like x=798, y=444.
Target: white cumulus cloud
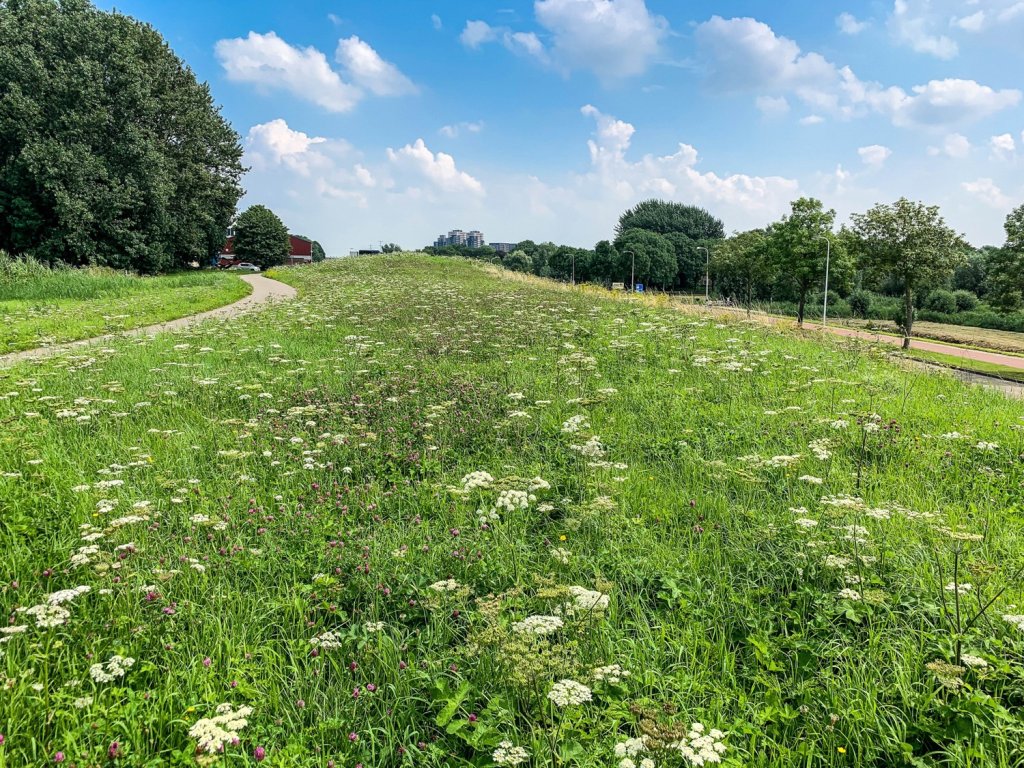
x=988, y=192
x=955, y=145
x=614, y=39
x=874, y=155
x=912, y=25
x=674, y=176
x=849, y=25
x=269, y=62
x=744, y=54
x=368, y=70
x=1003, y=146
x=438, y=169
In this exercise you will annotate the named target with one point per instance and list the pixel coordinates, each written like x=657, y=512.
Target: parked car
x=245, y=266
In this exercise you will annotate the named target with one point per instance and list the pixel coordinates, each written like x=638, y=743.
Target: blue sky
x=396, y=120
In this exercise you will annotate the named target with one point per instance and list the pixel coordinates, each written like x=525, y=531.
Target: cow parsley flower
x=585, y=601
x=476, y=480
x=213, y=734
x=46, y=615
x=448, y=585
x=112, y=669
x=612, y=673
x=538, y=625
x=66, y=595
x=327, y=640
x=700, y=748
x=567, y=693
x=508, y=754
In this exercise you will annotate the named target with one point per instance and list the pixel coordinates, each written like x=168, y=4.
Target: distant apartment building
x=503, y=247
x=473, y=239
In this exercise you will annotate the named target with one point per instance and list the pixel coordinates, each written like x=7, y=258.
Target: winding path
x=264, y=289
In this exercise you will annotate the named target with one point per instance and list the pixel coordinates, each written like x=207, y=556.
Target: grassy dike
x=431, y=514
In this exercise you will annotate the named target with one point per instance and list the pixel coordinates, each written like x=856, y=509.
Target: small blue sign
x=639, y=287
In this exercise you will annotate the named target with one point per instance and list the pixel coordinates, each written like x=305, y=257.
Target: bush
x=942, y=301
x=966, y=301
x=860, y=303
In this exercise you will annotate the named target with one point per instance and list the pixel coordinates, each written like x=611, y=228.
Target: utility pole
x=632, y=272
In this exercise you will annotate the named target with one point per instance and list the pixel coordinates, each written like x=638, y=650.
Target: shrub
x=860, y=303
x=942, y=301
x=965, y=301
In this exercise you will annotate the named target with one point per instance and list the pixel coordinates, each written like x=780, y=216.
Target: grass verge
x=68, y=305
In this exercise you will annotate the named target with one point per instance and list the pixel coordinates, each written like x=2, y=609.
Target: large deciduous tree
x=645, y=257
x=911, y=243
x=1006, y=264
x=743, y=265
x=261, y=237
x=111, y=152
x=663, y=216
x=798, y=248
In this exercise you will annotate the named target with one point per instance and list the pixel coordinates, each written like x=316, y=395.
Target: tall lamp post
x=707, y=273
x=828, y=255
x=573, y=279
x=632, y=272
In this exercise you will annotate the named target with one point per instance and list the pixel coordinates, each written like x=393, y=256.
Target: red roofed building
x=301, y=253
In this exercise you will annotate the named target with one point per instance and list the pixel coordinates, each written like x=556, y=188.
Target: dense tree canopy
x=644, y=257
x=662, y=216
x=911, y=242
x=744, y=264
x=319, y=254
x=518, y=261
x=261, y=237
x=111, y=152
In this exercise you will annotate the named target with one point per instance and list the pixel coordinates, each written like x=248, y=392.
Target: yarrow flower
x=567, y=693
x=476, y=480
x=700, y=748
x=448, y=585
x=46, y=615
x=213, y=734
x=112, y=669
x=509, y=754
x=327, y=640
x=66, y=595
x=561, y=555
x=538, y=625
x=612, y=673
x=585, y=601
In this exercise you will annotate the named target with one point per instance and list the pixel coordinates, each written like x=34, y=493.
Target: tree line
x=111, y=152
x=902, y=256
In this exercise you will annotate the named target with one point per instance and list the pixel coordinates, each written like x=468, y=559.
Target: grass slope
x=392, y=516
x=50, y=307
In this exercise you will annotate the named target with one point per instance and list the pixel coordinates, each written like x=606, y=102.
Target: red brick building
x=301, y=253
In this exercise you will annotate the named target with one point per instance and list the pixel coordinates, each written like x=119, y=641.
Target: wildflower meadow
x=431, y=513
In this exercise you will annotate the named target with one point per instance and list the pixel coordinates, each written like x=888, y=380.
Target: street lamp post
x=573, y=279
x=828, y=255
x=707, y=273
x=632, y=272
